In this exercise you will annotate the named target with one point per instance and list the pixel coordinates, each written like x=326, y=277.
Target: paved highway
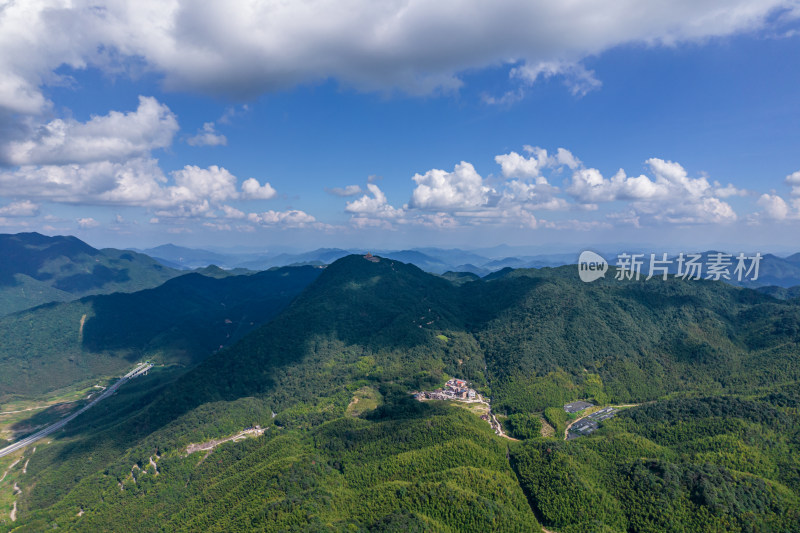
x=138, y=371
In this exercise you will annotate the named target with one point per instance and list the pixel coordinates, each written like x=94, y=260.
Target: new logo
x=591, y=266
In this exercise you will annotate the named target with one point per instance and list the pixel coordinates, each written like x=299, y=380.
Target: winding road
x=138, y=371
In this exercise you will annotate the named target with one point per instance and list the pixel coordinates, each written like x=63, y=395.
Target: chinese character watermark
x=715, y=266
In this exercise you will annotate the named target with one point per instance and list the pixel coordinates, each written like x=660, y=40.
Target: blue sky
x=402, y=124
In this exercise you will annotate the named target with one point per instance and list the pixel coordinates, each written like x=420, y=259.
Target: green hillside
x=711, y=447
x=36, y=269
x=182, y=321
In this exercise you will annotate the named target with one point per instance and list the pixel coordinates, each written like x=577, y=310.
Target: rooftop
x=575, y=407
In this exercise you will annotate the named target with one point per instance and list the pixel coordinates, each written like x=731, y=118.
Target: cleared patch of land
x=364, y=399
x=211, y=444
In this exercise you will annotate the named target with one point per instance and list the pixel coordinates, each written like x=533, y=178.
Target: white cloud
x=728, y=191
x=539, y=195
x=252, y=189
x=191, y=192
x=776, y=208
x=350, y=190
x=113, y=137
x=363, y=222
x=217, y=226
x=207, y=136
x=671, y=196
x=193, y=184
x=134, y=182
x=437, y=220
x=440, y=190
x=25, y=208
x=579, y=80
x=243, y=48
x=793, y=180
x=565, y=157
x=285, y=219
x=514, y=165
x=86, y=223
x=589, y=186
x=375, y=205
x=232, y=212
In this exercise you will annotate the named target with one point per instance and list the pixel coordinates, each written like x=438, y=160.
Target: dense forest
x=181, y=321
x=707, y=441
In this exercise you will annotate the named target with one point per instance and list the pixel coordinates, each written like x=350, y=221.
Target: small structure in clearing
x=590, y=424
x=577, y=407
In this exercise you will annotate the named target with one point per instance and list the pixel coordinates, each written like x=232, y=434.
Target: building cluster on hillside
x=589, y=424
x=454, y=389
x=371, y=258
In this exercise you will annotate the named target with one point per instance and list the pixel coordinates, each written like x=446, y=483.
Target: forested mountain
x=181, y=321
x=713, y=446
x=36, y=269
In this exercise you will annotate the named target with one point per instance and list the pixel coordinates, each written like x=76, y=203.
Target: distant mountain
x=188, y=258
x=498, y=274
x=454, y=256
x=419, y=259
x=36, y=269
x=182, y=321
x=459, y=278
x=478, y=271
x=321, y=256
x=793, y=259
x=781, y=293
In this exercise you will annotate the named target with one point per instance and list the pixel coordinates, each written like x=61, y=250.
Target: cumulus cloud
x=728, y=190
x=375, y=205
x=113, y=137
x=439, y=190
x=285, y=219
x=670, y=196
x=232, y=212
x=514, y=165
x=193, y=184
x=244, y=48
x=25, y=208
x=518, y=166
x=189, y=192
x=565, y=157
x=207, y=136
x=774, y=207
x=86, y=223
x=350, y=190
x=252, y=189
x=667, y=195
x=793, y=180
x=133, y=182
x=534, y=196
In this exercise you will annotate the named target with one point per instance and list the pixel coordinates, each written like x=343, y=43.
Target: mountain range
x=36, y=269
x=773, y=270
x=705, y=377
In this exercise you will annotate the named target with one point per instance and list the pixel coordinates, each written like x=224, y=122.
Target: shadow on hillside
x=293, y=358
